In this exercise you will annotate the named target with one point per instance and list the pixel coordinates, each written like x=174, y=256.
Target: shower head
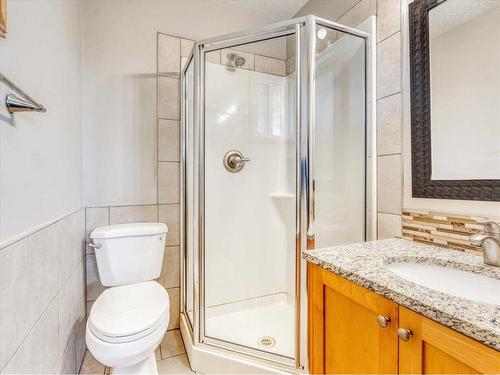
x=236, y=59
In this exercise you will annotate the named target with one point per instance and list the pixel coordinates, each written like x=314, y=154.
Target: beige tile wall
x=389, y=118
x=255, y=62
x=42, y=300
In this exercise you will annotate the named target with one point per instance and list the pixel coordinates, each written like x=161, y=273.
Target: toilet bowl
x=127, y=322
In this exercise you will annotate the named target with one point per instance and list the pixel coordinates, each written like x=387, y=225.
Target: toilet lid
x=129, y=310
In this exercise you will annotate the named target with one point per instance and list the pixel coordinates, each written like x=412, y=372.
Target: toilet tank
x=129, y=253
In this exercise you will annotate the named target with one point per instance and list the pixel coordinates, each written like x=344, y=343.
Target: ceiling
x=273, y=10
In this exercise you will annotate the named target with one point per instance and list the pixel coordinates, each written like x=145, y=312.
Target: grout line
x=123, y=205
x=351, y=8
x=388, y=213
x=387, y=37
x=36, y=229
x=393, y=154
x=171, y=119
x=386, y=96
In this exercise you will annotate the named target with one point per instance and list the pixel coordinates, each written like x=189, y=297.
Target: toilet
x=127, y=322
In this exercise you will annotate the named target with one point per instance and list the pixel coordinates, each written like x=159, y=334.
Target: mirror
x=455, y=89
x=464, y=41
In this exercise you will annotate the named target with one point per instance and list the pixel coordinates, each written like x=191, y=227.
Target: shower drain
x=267, y=341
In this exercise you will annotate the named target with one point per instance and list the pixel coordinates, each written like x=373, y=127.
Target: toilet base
x=147, y=366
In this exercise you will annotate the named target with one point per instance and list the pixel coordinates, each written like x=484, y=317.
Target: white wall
x=120, y=91
x=41, y=154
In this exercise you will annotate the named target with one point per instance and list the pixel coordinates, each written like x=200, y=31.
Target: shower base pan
x=264, y=323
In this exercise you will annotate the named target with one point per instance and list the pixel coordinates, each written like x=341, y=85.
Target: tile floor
x=171, y=358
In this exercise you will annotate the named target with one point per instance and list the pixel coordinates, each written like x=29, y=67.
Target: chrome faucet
x=490, y=241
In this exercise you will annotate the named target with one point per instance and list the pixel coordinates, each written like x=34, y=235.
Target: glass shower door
x=339, y=137
x=249, y=196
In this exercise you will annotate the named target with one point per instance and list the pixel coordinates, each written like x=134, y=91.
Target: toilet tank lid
x=129, y=230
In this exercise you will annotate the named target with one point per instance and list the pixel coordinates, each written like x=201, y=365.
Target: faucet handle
x=491, y=228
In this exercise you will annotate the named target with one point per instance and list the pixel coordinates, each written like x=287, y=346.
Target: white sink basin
x=452, y=281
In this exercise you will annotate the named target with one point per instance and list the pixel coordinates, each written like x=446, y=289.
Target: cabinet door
x=344, y=333
x=435, y=349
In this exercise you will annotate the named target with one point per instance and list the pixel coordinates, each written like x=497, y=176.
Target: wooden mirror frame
x=421, y=159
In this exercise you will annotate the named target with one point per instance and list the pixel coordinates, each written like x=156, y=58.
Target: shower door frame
x=304, y=30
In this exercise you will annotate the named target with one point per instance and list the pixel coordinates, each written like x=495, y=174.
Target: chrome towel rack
x=15, y=103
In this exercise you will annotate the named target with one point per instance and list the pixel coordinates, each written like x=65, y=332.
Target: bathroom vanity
x=397, y=306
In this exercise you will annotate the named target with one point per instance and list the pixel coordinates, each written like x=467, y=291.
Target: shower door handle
x=234, y=161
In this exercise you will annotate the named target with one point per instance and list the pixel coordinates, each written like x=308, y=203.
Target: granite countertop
x=364, y=264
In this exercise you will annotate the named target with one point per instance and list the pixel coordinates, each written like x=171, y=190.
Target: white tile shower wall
x=42, y=299
x=234, y=199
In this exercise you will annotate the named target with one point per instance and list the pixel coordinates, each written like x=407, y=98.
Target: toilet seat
x=127, y=313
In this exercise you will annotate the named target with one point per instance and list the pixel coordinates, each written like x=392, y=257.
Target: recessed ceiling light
x=321, y=33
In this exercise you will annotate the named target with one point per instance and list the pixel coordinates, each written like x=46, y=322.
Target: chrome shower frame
x=304, y=29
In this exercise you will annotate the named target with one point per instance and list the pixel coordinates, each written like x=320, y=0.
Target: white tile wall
x=70, y=244
x=389, y=66
x=269, y=65
x=14, y=298
x=42, y=278
x=389, y=226
x=42, y=299
x=43, y=342
x=168, y=140
x=389, y=125
x=131, y=214
x=169, y=174
x=95, y=217
x=169, y=214
x=389, y=18
x=169, y=55
x=168, y=182
x=186, y=47
x=390, y=180
x=170, y=277
x=168, y=98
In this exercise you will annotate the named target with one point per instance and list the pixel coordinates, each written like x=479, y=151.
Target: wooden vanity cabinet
x=344, y=334
x=347, y=334
x=436, y=349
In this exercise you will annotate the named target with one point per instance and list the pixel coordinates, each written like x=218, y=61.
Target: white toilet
x=128, y=321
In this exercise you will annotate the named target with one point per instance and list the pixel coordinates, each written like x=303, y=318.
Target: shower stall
x=276, y=145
